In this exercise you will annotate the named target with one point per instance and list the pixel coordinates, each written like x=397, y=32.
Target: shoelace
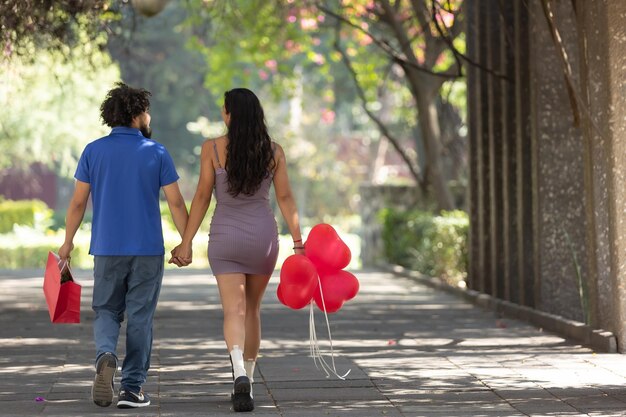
x=314, y=344
x=139, y=396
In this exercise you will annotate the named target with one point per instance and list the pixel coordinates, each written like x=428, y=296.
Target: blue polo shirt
x=126, y=171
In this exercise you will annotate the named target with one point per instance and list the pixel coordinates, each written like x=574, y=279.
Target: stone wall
x=547, y=195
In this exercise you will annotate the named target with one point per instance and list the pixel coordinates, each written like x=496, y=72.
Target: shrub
x=27, y=247
x=435, y=245
x=36, y=256
x=33, y=213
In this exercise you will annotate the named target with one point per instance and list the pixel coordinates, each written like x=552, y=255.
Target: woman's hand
x=182, y=255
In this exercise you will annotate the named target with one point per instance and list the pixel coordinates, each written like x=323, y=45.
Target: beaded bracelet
x=298, y=247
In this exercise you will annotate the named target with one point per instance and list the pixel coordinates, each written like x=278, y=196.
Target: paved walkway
x=412, y=351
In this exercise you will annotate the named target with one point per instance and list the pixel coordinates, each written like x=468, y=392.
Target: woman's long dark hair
x=249, y=151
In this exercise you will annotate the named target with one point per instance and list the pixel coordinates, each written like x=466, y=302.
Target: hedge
x=435, y=245
x=23, y=212
x=36, y=256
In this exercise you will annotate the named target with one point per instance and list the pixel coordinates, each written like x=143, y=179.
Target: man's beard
x=146, y=131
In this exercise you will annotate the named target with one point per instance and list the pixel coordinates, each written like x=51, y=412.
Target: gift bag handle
x=64, y=263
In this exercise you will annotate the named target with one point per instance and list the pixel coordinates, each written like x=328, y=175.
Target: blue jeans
x=128, y=284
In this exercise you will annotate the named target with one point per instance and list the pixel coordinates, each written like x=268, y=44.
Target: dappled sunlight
x=32, y=370
x=187, y=306
x=45, y=341
x=202, y=280
x=419, y=353
x=506, y=340
x=191, y=344
x=195, y=365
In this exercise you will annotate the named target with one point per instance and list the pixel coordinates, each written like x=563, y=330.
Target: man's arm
x=176, y=203
x=74, y=217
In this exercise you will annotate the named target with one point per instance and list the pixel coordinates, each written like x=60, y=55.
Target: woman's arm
x=285, y=199
x=199, y=205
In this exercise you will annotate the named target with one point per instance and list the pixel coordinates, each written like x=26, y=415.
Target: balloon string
x=314, y=344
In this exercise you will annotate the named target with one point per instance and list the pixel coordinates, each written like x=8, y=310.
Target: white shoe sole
x=102, y=389
x=130, y=404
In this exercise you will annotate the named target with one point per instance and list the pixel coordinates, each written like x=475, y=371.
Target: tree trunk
x=429, y=126
x=425, y=90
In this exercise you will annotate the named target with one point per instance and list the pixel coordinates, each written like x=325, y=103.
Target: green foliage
x=36, y=255
x=433, y=245
x=33, y=213
x=265, y=48
x=54, y=99
x=168, y=222
x=152, y=54
x=28, y=247
x=290, y=48
x=51, y=25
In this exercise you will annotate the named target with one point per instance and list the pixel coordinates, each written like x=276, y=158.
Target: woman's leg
x=233, y=295
x=232, y=289
x=255, y=288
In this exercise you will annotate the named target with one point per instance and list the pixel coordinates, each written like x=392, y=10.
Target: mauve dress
x=243, y=237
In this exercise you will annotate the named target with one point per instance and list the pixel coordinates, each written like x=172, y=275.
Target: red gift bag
x=63, y=299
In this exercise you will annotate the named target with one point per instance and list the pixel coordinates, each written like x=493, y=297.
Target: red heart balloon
x=298, y=270
x=347, y=284
x=326, y=250
x=295, y=296
x=298, y=281
x=332, y=304
x=338, y=287
x=279, y=294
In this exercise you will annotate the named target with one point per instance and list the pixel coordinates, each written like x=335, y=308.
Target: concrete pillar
x=524, y=156
x=509, y=155
x=495, y=103
x=473, y=105
x=606, y=55
x=484, y=190
x=548, y=198
x=560, y=215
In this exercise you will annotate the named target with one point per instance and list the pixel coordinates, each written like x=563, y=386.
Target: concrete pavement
x=411, y=351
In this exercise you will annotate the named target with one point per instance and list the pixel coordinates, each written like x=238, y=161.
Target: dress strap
x=274, y=156
x=217, y=155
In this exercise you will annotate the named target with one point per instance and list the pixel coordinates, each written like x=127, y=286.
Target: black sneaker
x=128, y=399
x=102, y=389
x=242, y=395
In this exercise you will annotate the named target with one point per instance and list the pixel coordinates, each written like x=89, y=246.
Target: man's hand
x=65, y=251
x=181, y=255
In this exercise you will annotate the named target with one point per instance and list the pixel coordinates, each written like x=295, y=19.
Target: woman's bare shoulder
x=278, y=150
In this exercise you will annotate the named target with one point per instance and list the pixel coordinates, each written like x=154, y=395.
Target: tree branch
x=458, y=54
x=567, y=69
x=420, y=11
x=386, y=48
x=448, y=41
x=389, y=17
x=415, y=171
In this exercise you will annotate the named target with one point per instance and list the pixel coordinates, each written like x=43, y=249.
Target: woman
x=243, y=239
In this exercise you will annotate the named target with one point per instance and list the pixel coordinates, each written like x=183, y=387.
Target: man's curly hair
x=123, y=103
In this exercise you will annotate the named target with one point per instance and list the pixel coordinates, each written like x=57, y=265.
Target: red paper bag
x=63, y=299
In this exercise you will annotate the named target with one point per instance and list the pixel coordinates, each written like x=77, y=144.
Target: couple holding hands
x=124, y=173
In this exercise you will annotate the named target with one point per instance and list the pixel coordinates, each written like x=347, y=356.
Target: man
x=124, y=173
